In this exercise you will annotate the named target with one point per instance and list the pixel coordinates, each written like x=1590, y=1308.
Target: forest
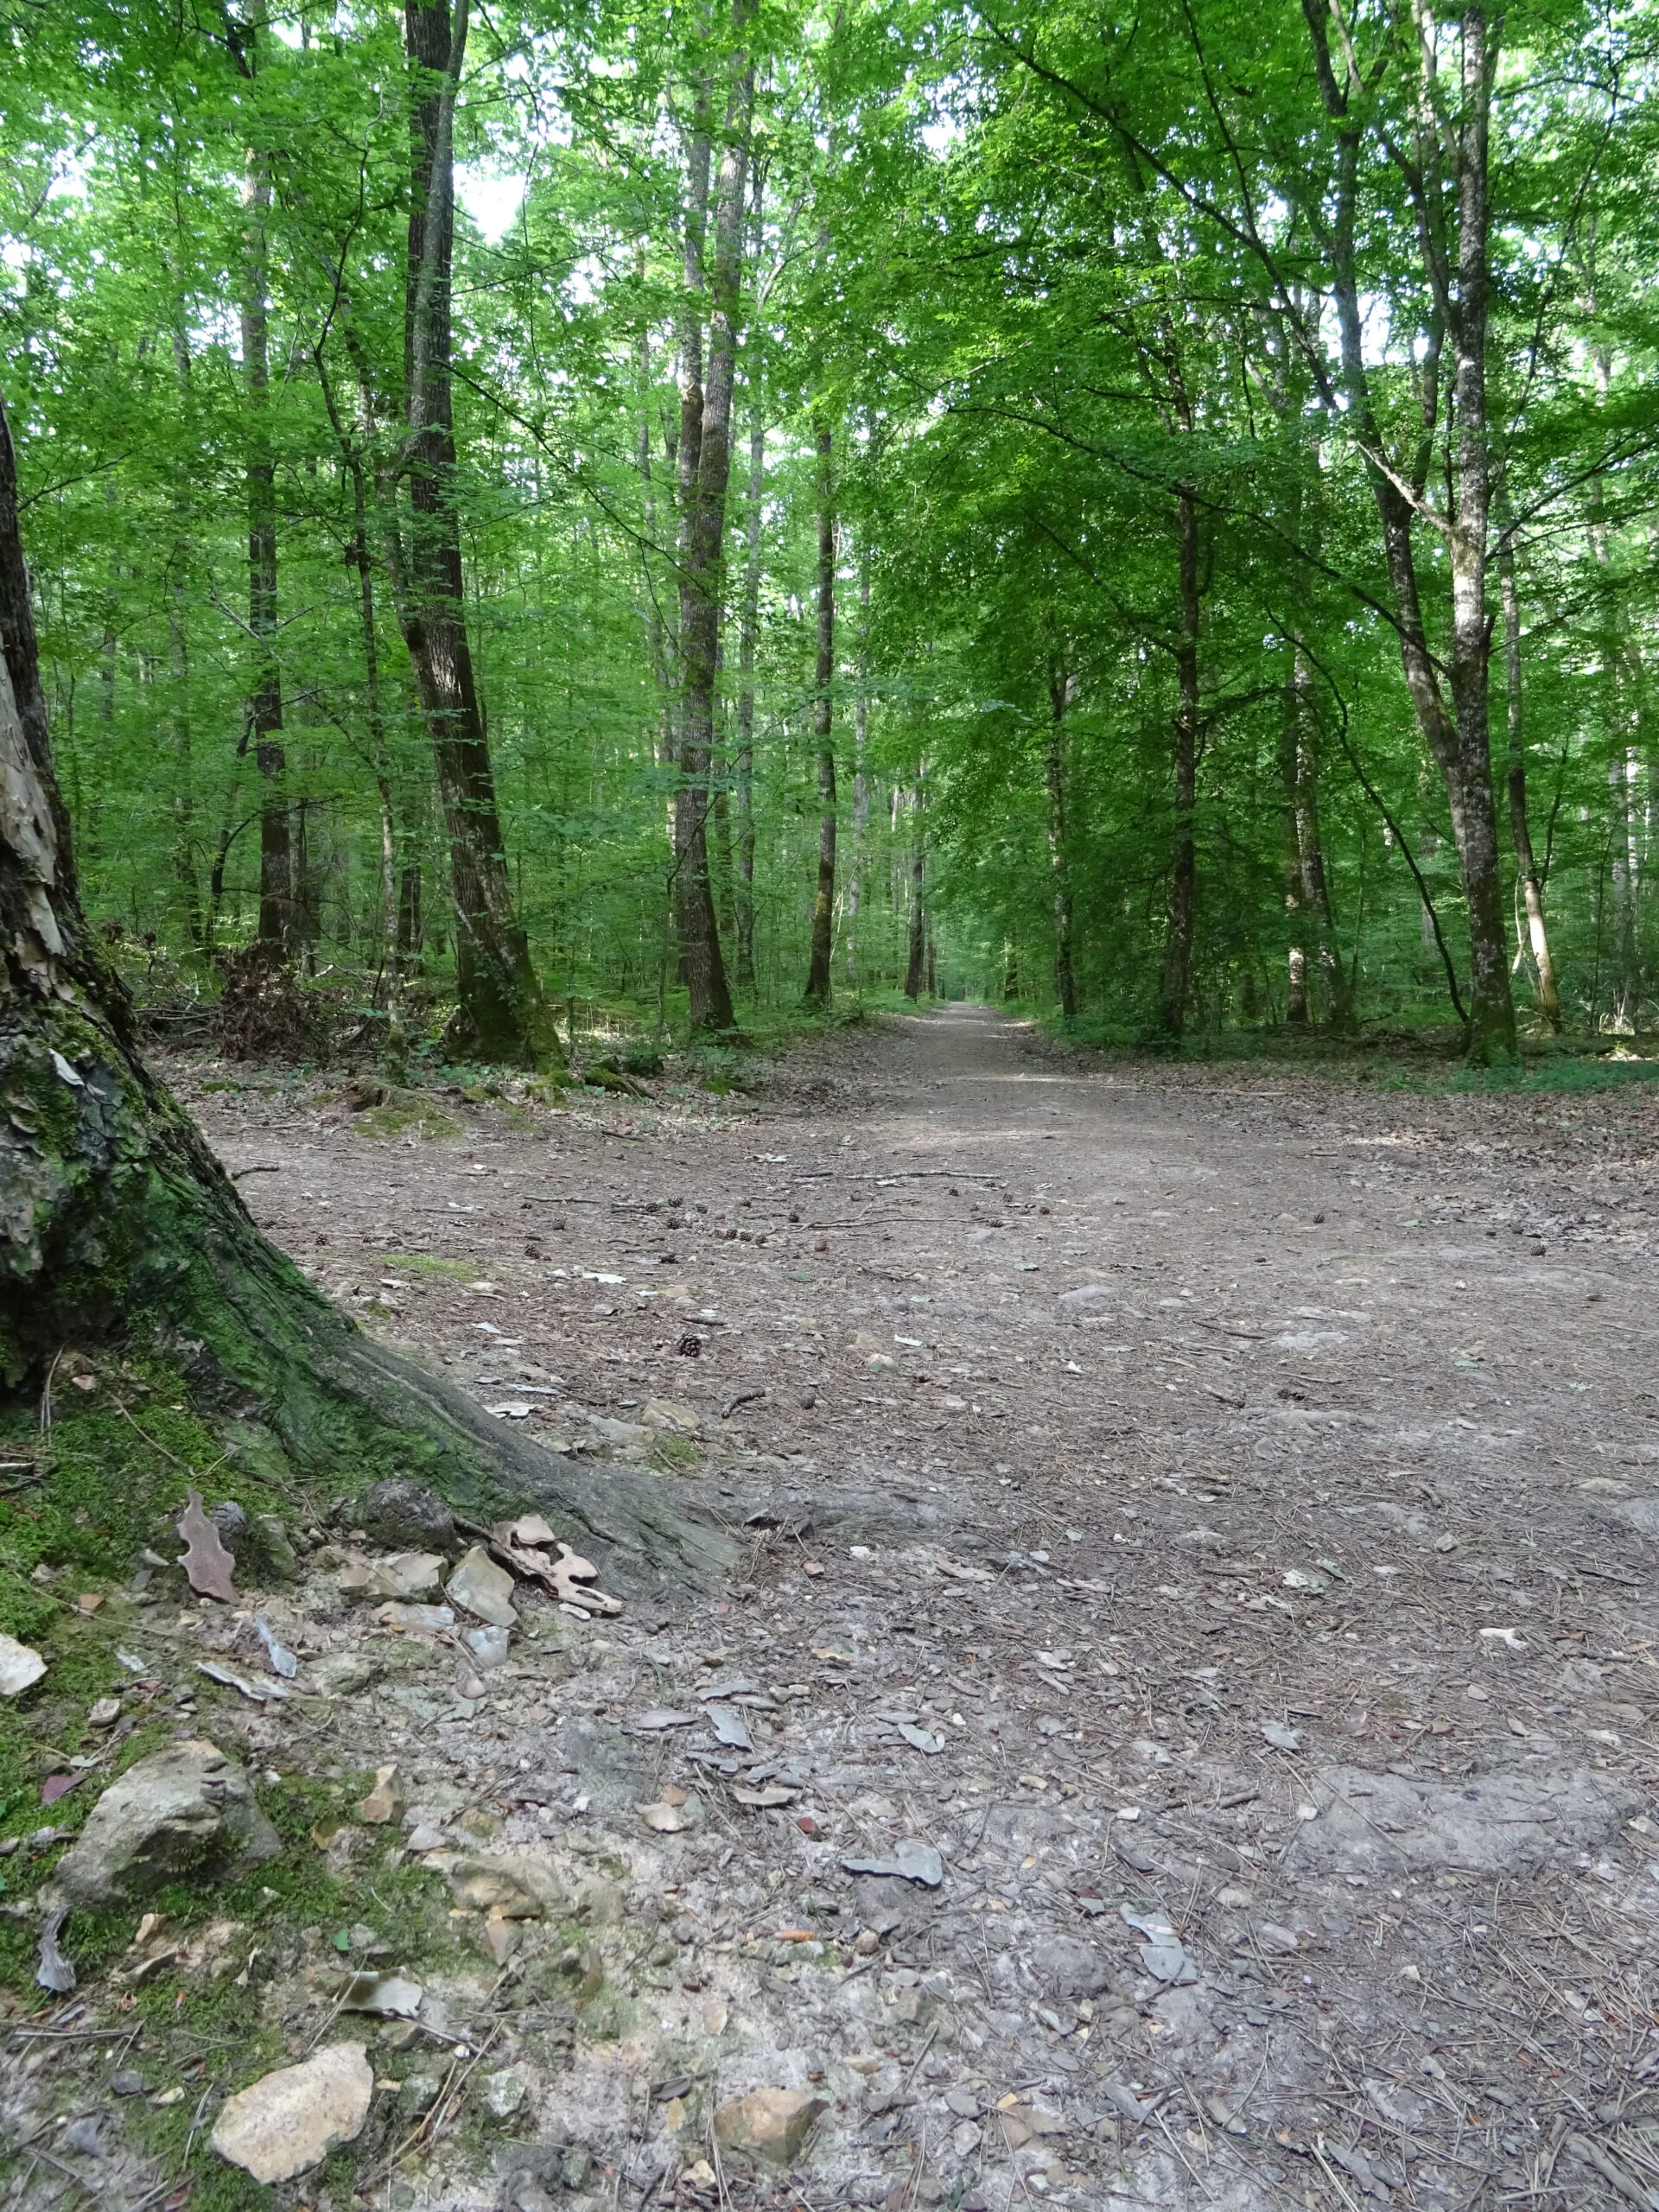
x=551, y=514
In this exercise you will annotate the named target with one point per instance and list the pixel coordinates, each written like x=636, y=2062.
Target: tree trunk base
x=122, y=1227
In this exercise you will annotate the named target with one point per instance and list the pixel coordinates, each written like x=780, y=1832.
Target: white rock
x=503, y=2093
x=19, y=1666
x=290, y=2120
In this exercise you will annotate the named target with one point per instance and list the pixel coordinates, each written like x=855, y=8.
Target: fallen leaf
x=56, y=1786
x=910, y=1861
x=385, y=1801
x=1282, y=1738
x=257, y=1693
x=774, y=1793
x=207, y=1566
x=387, y=1994
x=53, y=1970
x=283, y=1660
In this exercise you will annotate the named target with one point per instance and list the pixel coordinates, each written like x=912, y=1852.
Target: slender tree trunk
x=1291, y=849
x=818, y=984
x=1059, y=693
x=502, y=1013
x=1307, y=888
x=860, y=777
x=1457, y=738
x=1184, y=864
x=707, y=428
x=915, y=967
x=264, y=708
x=749, y=637
x=1532, y=889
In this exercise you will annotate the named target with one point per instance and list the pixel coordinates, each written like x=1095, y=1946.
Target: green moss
x=427, y=1263
x=405, y=1113
x=673, y=1453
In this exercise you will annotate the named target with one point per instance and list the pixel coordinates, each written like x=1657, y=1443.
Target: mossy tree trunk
x=118, y=1222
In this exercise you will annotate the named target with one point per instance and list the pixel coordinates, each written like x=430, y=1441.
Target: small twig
x=150, y=1441
x=46, y=1393
x=917, y=2067
x=714, y=2142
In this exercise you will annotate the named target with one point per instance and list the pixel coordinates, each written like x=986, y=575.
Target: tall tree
x=277, y=915
x=705, y=431
x=818, y=982
x=503, y=1014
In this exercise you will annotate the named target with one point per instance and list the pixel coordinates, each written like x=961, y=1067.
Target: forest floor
x=1202, y=1519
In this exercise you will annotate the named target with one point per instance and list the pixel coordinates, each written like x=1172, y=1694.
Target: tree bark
x=1176, y=980
x=705, y=460
x=916, y=967
x=502, y=1014
x=1531, y=884
x=121, y=1225
x=265, y=707
x=818, y=982
x=861, y=774
x=1065, y=988
x=748, y=643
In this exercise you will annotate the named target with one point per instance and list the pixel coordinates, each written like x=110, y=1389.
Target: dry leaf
x=208, y=1564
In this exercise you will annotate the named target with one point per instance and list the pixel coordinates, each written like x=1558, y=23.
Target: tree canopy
x=1141, y=514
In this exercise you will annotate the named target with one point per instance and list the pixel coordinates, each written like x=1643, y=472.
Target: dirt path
x=1214, y=1516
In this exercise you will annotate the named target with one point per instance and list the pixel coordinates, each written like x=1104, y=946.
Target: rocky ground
x=1179, y=1733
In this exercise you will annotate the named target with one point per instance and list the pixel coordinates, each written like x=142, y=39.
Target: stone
x=400, y=1574
x=276, y=1546
x=187, y=1813
x=385, y=1801
x=231, y=1522
x=1485, y=1824
x=406, y=1515
x=127, y=2081
x=480, y=1587
x=1070, y=1968
x=770, y=2125
x=503, y=2093
x=342, y=1674
x=20, y=1666
x=486, y=1647
x=292, y=2119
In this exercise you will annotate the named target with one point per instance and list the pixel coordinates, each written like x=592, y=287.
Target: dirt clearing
x=1181, y=1734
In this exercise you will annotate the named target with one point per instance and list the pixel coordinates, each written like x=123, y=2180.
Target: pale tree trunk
x=1307, y=886
x=705, y=472
x=749, y=637
x=1176, y=981
x=1065, y=988
x=1536, y=938
x=824, y=903
x=502, y=1013
x=264, y=706
x=861, y=779
x=1290, y=859
x=916, y=967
